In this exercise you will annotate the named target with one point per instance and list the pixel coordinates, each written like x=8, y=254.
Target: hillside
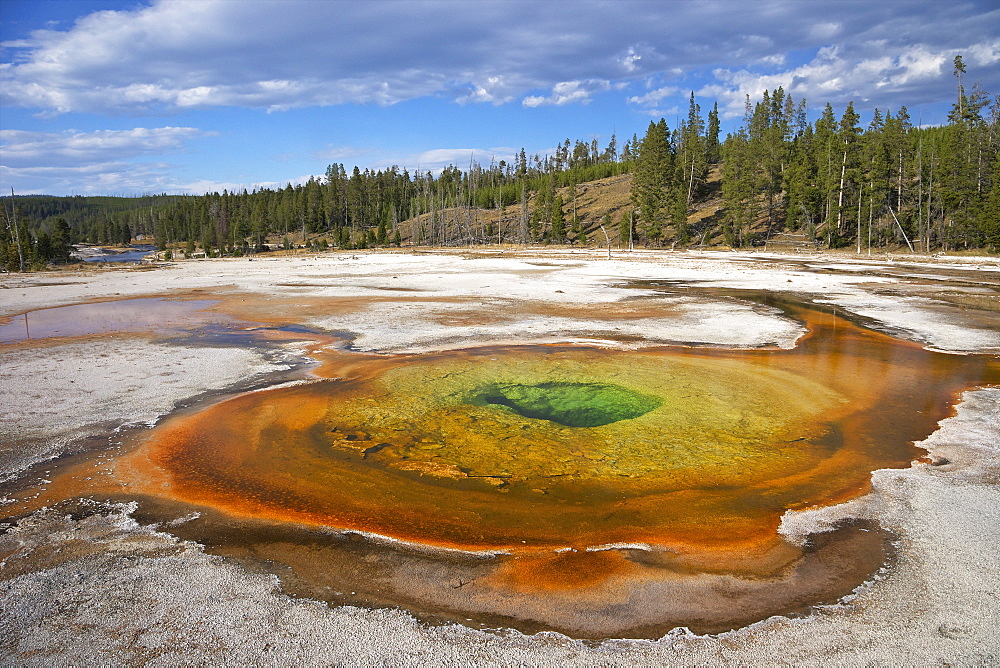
x=594, y=201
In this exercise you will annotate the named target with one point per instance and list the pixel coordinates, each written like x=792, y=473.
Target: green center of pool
x=568, y=404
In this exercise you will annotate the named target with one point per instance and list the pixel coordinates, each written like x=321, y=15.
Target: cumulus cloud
x=431, y=160
x=839, y=75
x=494, y=90
x=169, y=57
x=280, y=54
x=180, y=54
x=435, y=160
x=104, y=178
x=824, y=30
x=204, y=186
x=641, y=57
x=569, y=92
x=103, y=160
x=341, y=153
x=83, y=149
x=651, y=101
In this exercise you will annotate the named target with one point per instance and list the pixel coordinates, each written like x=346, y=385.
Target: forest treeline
x=891, y=183
x=350, y=210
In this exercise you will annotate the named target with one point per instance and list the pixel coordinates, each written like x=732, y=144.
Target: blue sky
x=151, y=96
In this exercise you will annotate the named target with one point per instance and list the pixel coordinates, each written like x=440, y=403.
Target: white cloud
x=824, y=30
x=915, y=65
x=630, y=61
x=652, y=103
x=494, y=90
x=178, y=54
x=103, y=161
x=281, y=54
x=836, y=75
x=104, y=178
x=653, y=97
x=984, y=54
x=341, y=153
x=434, y=160
x=20, y=148
x=568, y=92
x=446, y=156
x=204, y=186
x=170, y=57
x=641, y=57
x=123, y=178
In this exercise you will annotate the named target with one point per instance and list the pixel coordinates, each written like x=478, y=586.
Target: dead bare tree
x=15, y=234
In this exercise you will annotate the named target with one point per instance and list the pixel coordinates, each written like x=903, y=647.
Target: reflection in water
x=136, y=253
x=473, y=450
x=126, y=315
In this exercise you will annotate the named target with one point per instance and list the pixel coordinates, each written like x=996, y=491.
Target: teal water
x=569, y=404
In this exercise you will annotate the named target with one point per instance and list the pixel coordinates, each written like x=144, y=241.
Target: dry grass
x=594, y=201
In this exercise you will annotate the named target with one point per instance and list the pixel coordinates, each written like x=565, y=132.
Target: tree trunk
x=859, y=221
x=840, y=194
x=17, y=234
x=690, y=184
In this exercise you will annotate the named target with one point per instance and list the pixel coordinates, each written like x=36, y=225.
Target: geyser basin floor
x=407, y=447
x=95, y=587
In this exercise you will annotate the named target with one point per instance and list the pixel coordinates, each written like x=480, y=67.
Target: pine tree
x=769, y=128
x=543, y=209
x=989, y=216
x=848, y=133
x=895, y=131
x=653, y=179
x=692, y=163
x=799, y=184
x=679, y=214
x=712, y=148
x=876, y=169
x=739, y=191
x=826, y=160
x=557, y=220
x=382, y=234
x=610, y=154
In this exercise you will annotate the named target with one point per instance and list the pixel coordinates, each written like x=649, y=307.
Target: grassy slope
x=594, y=200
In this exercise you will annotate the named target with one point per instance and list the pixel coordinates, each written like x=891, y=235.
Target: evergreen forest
x=831, y=183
